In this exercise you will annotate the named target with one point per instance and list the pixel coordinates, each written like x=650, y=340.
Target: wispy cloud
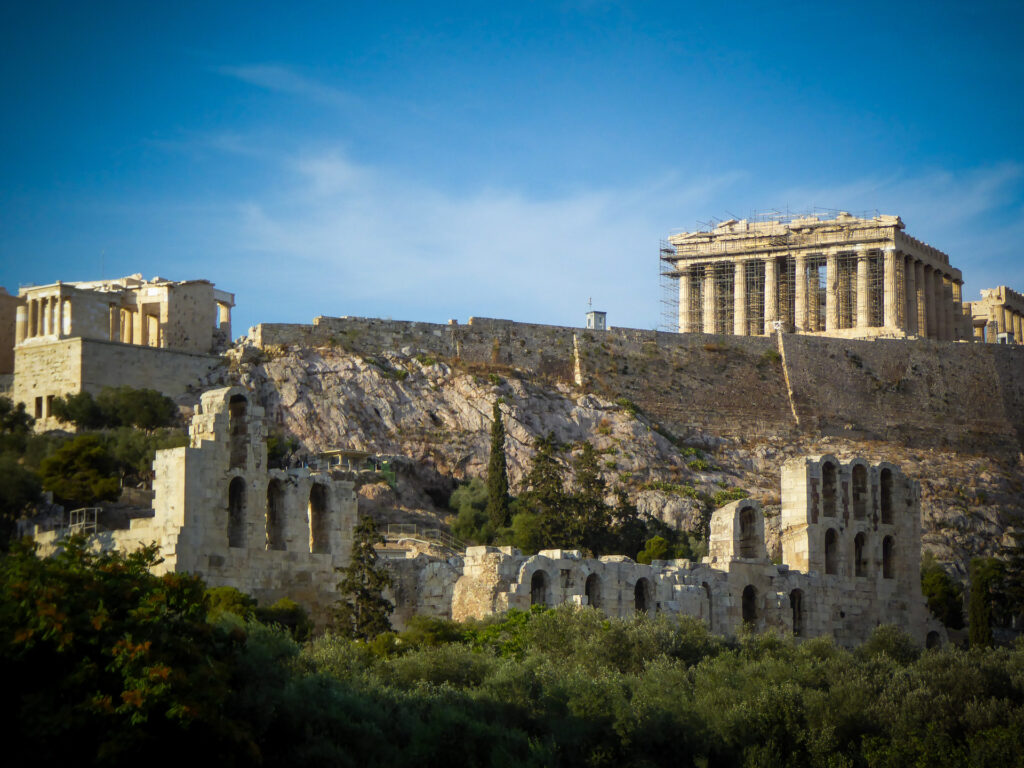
x=282, y=79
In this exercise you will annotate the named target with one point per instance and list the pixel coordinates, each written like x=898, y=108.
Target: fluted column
x=910, y=283
x=20, y=323
x=895, y=301
x=1017, y=328
x=948, y=319
x=771, y=293
x=800, y=292
x=929, y=292
x=684, y=301
x=58, y=317
x=709, y=299
x=739, y=299
x=922, y=300
x=831, y=291
x=47, y=316
x=863, y=300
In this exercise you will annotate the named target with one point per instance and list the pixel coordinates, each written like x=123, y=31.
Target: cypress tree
x=545, y=495
x=986, y=576
x=363, y=612
x=497, y=474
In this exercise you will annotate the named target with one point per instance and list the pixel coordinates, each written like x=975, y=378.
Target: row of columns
x=43, y=316
x=916, y=297
x=1004, y=320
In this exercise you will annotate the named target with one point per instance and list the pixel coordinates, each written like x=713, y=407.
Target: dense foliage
x=117, y=407
x=497, y=510
x=106, y=664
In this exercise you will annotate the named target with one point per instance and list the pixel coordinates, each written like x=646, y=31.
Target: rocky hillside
x=436, y=412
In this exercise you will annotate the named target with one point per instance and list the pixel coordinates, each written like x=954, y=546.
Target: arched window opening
x=886, y=490
x=539, y=588
x=888, y=556
x=707, y=592
x=933, y=640
x=860, y=556
x=748, y=547
x=860, y=491
x=236, y=513
x=319, y=541
x=749, y=604
x=796, y=602
x=592, y=589
x=831, y=551
x=828, y=489
x=238, y=431
x=275, y=516
x=642, y=596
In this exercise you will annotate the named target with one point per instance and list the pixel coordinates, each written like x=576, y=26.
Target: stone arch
x=860, y=491
x=860, y=554
x=934, y=640
x=711, y=612
x=642, y=596
x=749, y=604
x=829, y=488
x=885, y=491
x=275, y=515
x=592, y=589
x=238, y=430
x=319, y=522
x=748, y=533
x=236, y=512
x=888, y=557
x=796, y=602
x=539, y=583
x=831, y=551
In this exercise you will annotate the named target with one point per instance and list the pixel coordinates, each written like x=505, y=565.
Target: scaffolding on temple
x=668, y=284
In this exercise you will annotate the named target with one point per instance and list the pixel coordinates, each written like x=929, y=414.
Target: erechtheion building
x=999, y=317
x=850, y=545
x=843, y=276
x=160, y=334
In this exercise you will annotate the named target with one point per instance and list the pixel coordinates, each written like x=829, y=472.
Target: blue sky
x=433, y=160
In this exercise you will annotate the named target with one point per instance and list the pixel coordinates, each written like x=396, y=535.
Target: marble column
x=895, y=301
x=771, y=293
x=1018, y=336
x=739, y=299
x=863, y=282
x=930, y=306
x=831, y=291
x=800, y=292
x=47, y=315
x=815, y=322
x=948, y=320
x=20, y=323
x=922, y=300
x=684, y=301
x=58, y=317
x=911, y=286
x=710, y=295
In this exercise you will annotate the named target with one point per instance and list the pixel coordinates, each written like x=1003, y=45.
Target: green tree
x=629, y=532
x=470, y=503
x=656, y=548
x=104, y=663
x=19, y=491
x=944, y=595
x=81, y=472
x=15, y=426
x=545, y=495
x=986, y=575
x=80, y=409
x=363, y=612
x=497, y=474
x=116, y=407
x=593, y=517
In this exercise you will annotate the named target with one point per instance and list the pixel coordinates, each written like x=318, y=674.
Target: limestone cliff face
x=729, y=404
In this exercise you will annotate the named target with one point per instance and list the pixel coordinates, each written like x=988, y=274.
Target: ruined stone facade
x=850, y=541
x=845, y=276
x=998, y=318
x=73, y=337
x=221, y=513
x=851, y=561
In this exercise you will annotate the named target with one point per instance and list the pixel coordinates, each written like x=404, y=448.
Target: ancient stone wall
x=921, y=392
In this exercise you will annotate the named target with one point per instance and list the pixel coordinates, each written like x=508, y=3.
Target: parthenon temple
x=842, y=276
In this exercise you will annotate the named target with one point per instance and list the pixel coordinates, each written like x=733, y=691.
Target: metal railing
x=84, y=520
x=399, y=531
